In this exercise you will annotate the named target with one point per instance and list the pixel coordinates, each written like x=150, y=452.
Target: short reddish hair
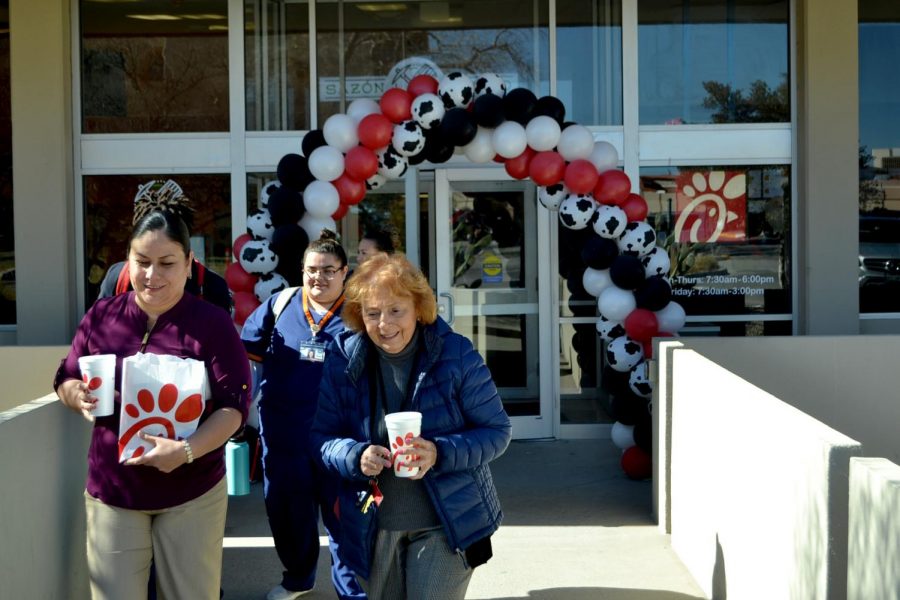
x=394, y=273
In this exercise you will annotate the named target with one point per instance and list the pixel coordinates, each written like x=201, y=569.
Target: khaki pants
x=185, y=543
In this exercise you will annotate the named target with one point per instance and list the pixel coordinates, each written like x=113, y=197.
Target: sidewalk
x=575, y=528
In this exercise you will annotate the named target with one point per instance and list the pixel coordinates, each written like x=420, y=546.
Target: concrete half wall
x=873, y=569
x=43, y=502
x=759, y=490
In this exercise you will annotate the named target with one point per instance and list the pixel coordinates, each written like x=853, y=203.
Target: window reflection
x=109, y=208
x=276, y=62
x=713, y=62
x=589, y=68
x=7, y=240
x=374, y=46
x=154, y=66
x=879, y=157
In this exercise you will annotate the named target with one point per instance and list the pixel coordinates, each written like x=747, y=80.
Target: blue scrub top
x=289, y=386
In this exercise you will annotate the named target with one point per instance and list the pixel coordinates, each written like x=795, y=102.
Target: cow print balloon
x=609, y=330
x=456, y=90
x=391, y=164
x=551, y=196
x=259, y=225
x=428, y=110
x=638, y=239
x=576, y=210
x=623, y=353
x=610, y=221
x=490, y=83
x=408, y=139
x=639, y=382
x=257, y=258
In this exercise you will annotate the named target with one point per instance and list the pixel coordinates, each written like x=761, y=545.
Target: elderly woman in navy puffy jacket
x=417, y=537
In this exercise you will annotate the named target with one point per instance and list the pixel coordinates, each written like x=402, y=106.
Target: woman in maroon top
x=167, y=505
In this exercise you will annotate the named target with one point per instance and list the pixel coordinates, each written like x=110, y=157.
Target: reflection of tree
x=166, y=82
x=761, y=105
x=871, y=194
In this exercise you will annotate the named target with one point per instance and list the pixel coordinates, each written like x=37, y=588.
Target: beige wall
x=40, y=66
x=43, y=506
x=28, y=372
x=827, y=105
x=873, y=568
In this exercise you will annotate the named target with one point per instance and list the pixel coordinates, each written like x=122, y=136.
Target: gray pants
x=416, y=565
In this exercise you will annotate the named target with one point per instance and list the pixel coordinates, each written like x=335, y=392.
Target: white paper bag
x=162, y=395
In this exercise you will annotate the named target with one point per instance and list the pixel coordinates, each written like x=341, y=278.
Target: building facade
x=751, y=127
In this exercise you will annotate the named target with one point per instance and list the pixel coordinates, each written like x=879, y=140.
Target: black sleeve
x=215, y=290
x=108, y=285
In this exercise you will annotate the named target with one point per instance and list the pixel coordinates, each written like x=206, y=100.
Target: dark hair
x=172, y=225
x=327, y=244
x=384, y=240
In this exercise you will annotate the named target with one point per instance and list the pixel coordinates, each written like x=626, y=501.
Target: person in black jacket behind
x=202, y=282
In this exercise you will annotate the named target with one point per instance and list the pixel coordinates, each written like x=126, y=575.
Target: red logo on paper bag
x=712, y=206
x=188, y=410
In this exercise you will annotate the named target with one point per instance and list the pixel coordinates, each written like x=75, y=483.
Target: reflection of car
x=879, y=250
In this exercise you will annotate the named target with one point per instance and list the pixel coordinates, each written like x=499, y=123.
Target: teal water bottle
x=237, y=467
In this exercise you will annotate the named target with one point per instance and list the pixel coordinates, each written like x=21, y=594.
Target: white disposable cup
x=99, y=372
x=402, y=427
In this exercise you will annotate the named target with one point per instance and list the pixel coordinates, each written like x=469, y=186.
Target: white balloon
x=340, y=131
x=604, y=156
x=622, y=435
x=542, y=133
x=313, y=226
x=362, y=108
x=671, y=317
x=480, y=149
x=321, y=199
x=326, y=163
x=615, y=304
x=576, y=141
x=509, y=139
x=595, y=281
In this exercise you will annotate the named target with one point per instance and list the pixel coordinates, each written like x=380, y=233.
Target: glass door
x=490, y=282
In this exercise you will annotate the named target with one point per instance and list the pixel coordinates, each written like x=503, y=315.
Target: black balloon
x=488, y=110
x=643, y=434
x=599, y=252
x=289, y=242
x=418, y=158
x=293, y=172
x=627, y=272
x=437, y=148
x=285, y=206
x=653, y=294
x=614, y=382
x=567, y=124
x=312, y=140
x=551, y=107
x=518, y=105
x=628, y=409
x=458, y=127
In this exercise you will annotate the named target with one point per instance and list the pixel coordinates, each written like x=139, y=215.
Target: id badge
x=312, y=351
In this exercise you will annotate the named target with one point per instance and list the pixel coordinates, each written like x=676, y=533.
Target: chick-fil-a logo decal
x=159, y=416
x=712, y=206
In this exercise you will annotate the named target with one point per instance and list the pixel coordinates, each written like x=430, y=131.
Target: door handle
x=449, y=311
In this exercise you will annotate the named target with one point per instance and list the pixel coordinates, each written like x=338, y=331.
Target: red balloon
x=637, y=463
x=375, y=131
x=340, y=212
x=517, y=167
x=581, y=176
x=395, y=104
x=238, y=243
x=641, y=324
x=422, y=84
x=635, y=207
x=613, y=186
x=350, y=190
x=238, y=279
x=547, y=168
x=360, y=163
x=648, y=344
x=244, y=304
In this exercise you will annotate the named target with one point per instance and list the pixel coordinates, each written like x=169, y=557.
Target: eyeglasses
x=327, y=274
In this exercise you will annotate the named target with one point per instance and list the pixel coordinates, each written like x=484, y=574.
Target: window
x=713, y=62
x=276, y=61
x=879, y=157
x=589, y=60
x=109, y=208
x=372, y=46
x=154, y=66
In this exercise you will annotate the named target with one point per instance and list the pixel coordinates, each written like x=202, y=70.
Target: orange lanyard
x=316, y=327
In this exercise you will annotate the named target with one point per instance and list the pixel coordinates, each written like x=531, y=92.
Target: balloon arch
x=432, y=120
